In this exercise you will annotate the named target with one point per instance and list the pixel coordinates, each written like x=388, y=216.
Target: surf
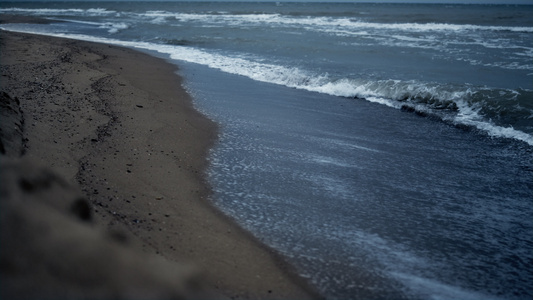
x=451, y=103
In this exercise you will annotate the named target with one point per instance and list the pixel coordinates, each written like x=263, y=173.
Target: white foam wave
x=53, y=11
x=502, y=65
x=110, y=26
x=412, y=35
x=114, y=27
x=469, y=115
x=422, y=27
x=39, y=11
x=392, y=93
x=336, y=24
x=340, y=25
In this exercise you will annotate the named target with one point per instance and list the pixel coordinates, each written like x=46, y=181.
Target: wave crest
x=462, y=105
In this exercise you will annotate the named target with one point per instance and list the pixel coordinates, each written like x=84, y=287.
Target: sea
x=385, y=150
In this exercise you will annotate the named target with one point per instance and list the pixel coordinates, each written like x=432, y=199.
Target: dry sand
x=118, y=123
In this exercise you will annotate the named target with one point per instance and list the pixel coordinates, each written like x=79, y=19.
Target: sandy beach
x=118, y=124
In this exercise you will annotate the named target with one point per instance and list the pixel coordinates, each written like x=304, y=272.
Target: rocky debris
x=11, y=126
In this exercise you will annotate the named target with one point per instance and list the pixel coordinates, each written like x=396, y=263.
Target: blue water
x=384, y=149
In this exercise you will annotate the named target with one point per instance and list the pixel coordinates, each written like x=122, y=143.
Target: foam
x=432, y=289
x=52, y=11
x=345, y=25
x=386, y=34
x=114, y=27
x=428, y=27
x=110, y=26
x=392, y=93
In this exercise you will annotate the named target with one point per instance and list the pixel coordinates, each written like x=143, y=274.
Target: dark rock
x=11, y=126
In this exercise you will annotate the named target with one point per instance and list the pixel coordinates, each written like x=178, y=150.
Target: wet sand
x=118, y=123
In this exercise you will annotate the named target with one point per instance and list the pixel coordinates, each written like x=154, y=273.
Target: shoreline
x=101, y=116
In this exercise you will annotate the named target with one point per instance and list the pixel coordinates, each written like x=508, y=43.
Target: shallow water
x=367, y=200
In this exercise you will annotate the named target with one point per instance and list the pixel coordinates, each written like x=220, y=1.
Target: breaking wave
x=53, y=11
x=321, y=22
x=250, y=19
x=479, y=107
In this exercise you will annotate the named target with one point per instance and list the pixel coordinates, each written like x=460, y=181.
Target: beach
x=118, y=124
x=381, y=150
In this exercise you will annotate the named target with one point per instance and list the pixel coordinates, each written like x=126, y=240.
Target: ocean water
x=384, y=149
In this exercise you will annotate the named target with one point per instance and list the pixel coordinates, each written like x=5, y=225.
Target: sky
x=446, y=1
x=389, y=1
x=403, y=1
x=530, y=2
x=398, y=1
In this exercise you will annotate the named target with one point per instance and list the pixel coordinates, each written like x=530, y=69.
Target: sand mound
x=51, y=250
